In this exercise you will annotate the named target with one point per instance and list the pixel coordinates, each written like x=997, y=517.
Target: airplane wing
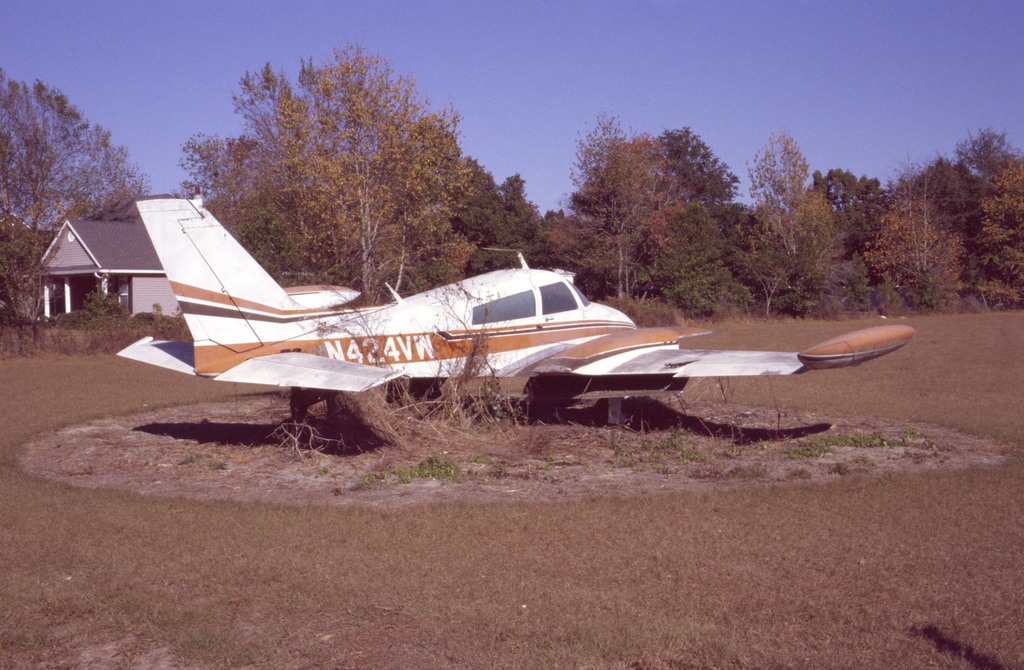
x=634, y=361
x=286, y=369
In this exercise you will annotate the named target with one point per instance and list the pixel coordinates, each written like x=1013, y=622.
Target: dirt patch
x=227, y=451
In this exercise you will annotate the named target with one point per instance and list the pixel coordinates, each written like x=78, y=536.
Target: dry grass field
x=923, y=570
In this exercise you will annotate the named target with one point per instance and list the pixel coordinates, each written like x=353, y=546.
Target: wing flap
x=307, y=371
x=615, y=347
x=697, y=363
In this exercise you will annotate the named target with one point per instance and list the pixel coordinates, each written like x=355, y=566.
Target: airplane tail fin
x=231, y=305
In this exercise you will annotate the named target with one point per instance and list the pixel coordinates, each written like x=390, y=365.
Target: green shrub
x=102, y=326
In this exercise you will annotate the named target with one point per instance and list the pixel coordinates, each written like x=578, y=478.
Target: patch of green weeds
x=808, y=449
x=435, y=466
x=861, y=441
x=190, y=459
x=861, y=459
x=218, y=464
x=438, y=466
x=822, y=445
x=616, y=440
x=675, y=449
x=497, y=468
x=368, y=481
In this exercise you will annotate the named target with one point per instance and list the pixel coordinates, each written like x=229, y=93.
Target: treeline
x=658, y=215
x=349, y=175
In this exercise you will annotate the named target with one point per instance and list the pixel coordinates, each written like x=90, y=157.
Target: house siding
x=69, y=254
x=150, y=291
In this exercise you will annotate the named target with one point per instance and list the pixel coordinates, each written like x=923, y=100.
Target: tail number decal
x=382, y=350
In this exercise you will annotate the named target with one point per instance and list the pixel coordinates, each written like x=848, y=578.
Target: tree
x=615, y=176
x=376, y=163
x=1002, y=238
x=691, y=172
x=857, y=206
x=489, y=215
x=54, y=165
x=20, y=251
x=916, y=247
x=689, y=267
x=962, y=185
x=789, y=249
x=354, y=160
x=987, y=154
x=231, y=173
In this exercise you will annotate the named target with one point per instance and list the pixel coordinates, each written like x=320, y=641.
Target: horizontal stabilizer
x=856, y=347
x=177, y=356
x=307, y=371
x=322, y=297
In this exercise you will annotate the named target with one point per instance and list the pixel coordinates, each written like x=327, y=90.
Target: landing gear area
x=605, y=411
x=302, y=399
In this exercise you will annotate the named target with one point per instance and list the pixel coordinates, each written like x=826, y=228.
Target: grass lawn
x=867, y=572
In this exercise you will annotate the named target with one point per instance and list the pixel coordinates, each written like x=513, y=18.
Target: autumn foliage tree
x=1002, y=238
x=616, y=178
x=916, y=247
x=353, y=159
x=788, y=250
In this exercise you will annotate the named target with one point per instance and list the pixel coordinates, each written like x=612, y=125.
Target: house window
x=124, y=294
x=516, y=306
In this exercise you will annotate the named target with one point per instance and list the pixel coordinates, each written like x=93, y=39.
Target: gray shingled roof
x=119, y=245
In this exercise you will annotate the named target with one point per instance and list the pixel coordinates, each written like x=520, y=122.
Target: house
x=110, y=253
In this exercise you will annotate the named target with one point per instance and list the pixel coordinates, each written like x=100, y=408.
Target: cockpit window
x=579, y=294
x=515, y=306
x=556, y=298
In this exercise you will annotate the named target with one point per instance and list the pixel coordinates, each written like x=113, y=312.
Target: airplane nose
x=607, y=313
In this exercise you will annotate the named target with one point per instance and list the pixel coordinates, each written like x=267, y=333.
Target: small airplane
x=509, y=323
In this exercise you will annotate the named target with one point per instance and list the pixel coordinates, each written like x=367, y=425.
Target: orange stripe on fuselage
x=387, y=350
x=189, y=292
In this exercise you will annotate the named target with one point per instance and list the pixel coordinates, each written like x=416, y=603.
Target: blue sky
x=864, y=86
